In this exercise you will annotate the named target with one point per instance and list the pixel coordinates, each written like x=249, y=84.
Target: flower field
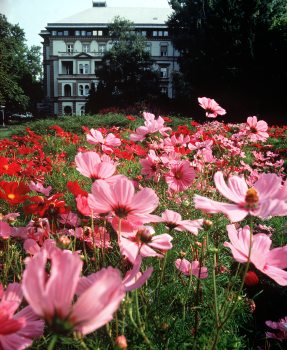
x=153, y=234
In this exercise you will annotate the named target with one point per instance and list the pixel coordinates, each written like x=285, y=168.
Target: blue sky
x=33, y=15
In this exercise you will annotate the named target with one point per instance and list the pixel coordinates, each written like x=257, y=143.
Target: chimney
x=97, y=3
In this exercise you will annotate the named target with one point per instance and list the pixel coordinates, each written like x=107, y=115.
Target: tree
x=20, y=69
x=91, y=105
x=126, y=73
x=229, y=45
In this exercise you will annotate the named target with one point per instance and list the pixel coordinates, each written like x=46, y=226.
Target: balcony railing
x=75, y=53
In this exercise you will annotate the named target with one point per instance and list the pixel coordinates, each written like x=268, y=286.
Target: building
x=74, y=46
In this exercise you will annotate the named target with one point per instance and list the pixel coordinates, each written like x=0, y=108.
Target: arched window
x=67, y=110
x=87, y=90
x=67, y=90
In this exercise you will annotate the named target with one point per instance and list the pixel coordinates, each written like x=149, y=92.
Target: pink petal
x=95, y=307
x=236, y=189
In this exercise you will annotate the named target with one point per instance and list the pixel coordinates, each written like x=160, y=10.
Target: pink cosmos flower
x=38, y=187
x=151, y=166
x=17, y=331
x=151, y=126
x=38, y=229
x=69, y=219
x=280, y=326
x=143, y=242
x=90, y=165
x=173, y=141
x=99, y=237
x=192, y=268
x=269, y=261
x=173, y=220
x=52, y=297
x=5, y=230
x=212, y=108
x=256, y=130
x=263, y=199
x=123, y=204
x=95, y=137
x=180, y=176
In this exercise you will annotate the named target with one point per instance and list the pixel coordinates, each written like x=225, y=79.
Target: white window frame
x=163, y=52
x=70, y=48
x=86, y=48
x=102, y=48
x=164, y=72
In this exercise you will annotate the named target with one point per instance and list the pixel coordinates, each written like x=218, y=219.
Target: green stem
x=215, y=290
x=53, y=342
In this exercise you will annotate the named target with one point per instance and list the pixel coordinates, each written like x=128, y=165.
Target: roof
x=106, y=15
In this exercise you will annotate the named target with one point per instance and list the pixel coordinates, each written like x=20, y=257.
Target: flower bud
x=251, y=279
x=121, y=342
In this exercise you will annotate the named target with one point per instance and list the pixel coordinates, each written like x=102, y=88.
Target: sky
x=33, y=15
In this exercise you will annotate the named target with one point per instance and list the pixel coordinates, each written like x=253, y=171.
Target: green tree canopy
x=126, y=72
x=20, y=68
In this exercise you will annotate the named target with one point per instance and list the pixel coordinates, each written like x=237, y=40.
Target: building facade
x=74, y=47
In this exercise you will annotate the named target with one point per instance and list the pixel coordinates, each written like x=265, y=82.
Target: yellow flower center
x=6, y=167
x=251, y=198
x=11, y=196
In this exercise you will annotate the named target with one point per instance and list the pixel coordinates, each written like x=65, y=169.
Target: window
x=102, y=48
x=160, y=33
x=66, y=32
x=163, y=50
x=97, y=32
x=143, y=32
x=77, y=33
x=60, y=33
x=154, y=33
x=67, y=110
x=70, y=48
x=67, y=67
x=165, y=33
x=84, y=89
x=54, y=32
x=86, y=68
x=163, y=90
x=67, y=90
x=164, y=72
x=83, y=33
x=89, y=33
x=86, y=48
x=148, y=47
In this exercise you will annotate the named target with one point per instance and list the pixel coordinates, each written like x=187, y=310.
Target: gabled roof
x=82, y=54
x=106, y=15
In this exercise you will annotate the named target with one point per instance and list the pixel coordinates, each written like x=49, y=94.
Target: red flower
x=7, y=167
x=251, y=279
x=13, y=192
x=75, y=189
x=167, y=119
x=129, y=117
x=47, y=207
